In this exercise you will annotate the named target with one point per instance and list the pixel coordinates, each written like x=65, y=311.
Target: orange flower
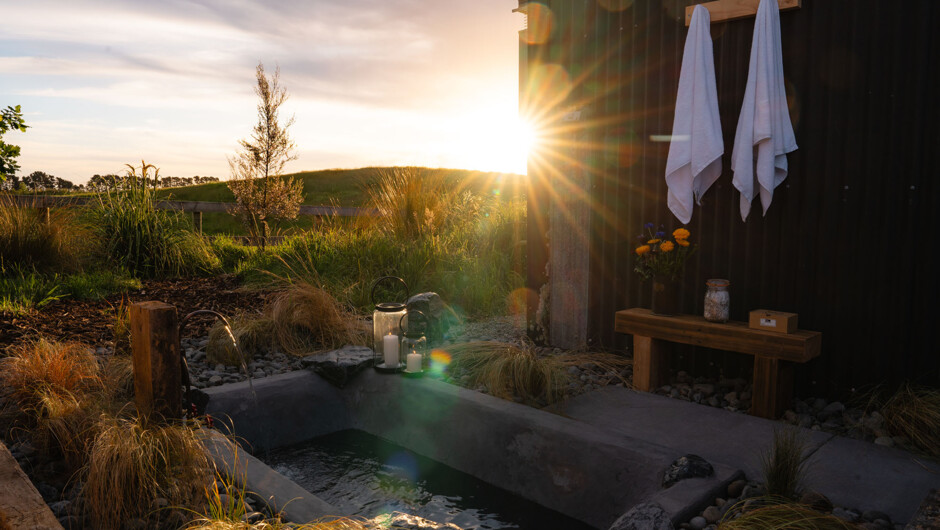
x=681, y=233
x=667, y=246
x=682, y=242
x=642, y=250
x=652, y=241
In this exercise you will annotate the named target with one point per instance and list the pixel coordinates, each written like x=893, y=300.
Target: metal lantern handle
x=383, y=278
x=409, y=313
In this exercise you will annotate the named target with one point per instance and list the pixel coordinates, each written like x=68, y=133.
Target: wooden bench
x=774, y=353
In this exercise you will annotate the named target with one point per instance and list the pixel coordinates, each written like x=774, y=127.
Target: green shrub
x=23, y=289
x=231, y=252
x=144, y=240
x=98, y=284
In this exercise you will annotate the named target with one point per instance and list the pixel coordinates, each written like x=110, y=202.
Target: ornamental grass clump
x=508, y=371
x=914, y=412
x=784, y=465
x=37, y=370
x=660, y=257
x=774, y=513
x=30, y=240
x=254, y=335
x=307, y=319
x=131, y=463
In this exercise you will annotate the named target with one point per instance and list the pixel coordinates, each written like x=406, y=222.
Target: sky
x=104, y=83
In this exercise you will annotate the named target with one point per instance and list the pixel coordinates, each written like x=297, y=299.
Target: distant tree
x=62, y=184
x=104, y=182
x=261, y=193
x=11, y=183
x=11, y=118
x=39, y=180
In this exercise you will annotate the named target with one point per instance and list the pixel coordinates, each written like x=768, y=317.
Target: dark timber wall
x=851, y=239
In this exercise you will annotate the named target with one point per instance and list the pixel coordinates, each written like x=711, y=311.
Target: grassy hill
x=345, y=187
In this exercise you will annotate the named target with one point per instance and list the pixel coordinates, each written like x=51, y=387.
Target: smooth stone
x=707, y=389
x=886, y=441
x=698, y=522
x=835, y=408
x=215, y=380
x=712, y=514
x=644, y=516
x=49, y=493
x=688, y=466
x=60, y=508
x=844, y=514
x=871, y=515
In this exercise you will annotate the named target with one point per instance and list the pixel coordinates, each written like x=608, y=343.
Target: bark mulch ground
x=92, y=322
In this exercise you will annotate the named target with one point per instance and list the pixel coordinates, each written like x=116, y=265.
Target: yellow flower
x=652, y=241
x=667, y=246
x=681, y=233
x=682, y=242
x=642, y=250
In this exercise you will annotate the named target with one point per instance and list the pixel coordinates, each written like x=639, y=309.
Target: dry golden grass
x=774, y=514
x=64, y=425
x=42, y=368
x=308, y=319
x=507, y=370
x=253, y=334
x=341, y=523
x=914, y=412
x=130, y=464
x=600, y=363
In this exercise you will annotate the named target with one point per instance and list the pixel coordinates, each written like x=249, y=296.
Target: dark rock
x=845, y=515
x=69, y=522
x=712, y=514
x=698, y=523
x=736, y=488
x=49, y=493
x=60, y=508
x=340, y=366
x=753, y=490
x=645, y=516
x=688, y=466
x=439, y=317
x=816, y=501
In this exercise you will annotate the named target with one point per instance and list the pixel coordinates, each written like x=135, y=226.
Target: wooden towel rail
x=725, y=10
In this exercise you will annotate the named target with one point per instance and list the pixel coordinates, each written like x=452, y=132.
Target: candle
x=390, y=349
x=414, y=361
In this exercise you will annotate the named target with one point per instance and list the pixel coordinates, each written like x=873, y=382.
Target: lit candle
x=414, y=361
x=390, y=349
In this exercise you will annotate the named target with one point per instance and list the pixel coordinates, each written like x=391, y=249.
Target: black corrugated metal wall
x=848, y=242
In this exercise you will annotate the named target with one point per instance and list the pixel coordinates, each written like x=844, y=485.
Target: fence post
x=197, y=221
x=155, y=346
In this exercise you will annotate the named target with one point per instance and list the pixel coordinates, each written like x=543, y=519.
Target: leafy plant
x=11, y=119
x=784, y=465
x=657, y=256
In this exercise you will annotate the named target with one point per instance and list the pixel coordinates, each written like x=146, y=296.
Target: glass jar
x=717, y=300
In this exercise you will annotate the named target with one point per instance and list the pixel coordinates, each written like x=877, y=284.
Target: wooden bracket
x=725, y=10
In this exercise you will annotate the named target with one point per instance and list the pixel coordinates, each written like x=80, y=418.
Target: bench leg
x=649, y=363
x=773, y=387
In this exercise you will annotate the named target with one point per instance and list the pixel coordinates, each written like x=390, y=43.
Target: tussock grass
x=507, y=370
x=914, y=412
x=28, y=239
x=254, y=336
x=65, y=424
x=39, y=369
x=784, y=466
x=130, y=464
x=307, y=319
x=601, y=363
x=774, y=513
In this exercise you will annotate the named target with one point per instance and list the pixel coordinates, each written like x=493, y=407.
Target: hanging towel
x=695, y=150
x=764, y=124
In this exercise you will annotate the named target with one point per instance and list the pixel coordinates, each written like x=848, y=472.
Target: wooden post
x=46, y=215
x=197, y=221
x=155, y=345
x=649, y=363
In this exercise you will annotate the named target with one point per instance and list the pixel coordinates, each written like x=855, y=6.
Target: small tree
x=11, y=118
x=261, y=193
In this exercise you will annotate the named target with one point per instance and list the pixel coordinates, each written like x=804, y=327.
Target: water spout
x=228, y=329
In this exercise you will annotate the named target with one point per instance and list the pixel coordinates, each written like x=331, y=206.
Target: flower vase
x=665, y=297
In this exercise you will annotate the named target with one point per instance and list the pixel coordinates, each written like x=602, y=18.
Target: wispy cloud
x=375, y=81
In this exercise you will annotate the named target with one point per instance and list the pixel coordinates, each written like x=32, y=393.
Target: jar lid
x=717, y=282
x=389, y=307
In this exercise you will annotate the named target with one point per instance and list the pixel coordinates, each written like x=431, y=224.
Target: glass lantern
x=414, y=343
x=387, y=319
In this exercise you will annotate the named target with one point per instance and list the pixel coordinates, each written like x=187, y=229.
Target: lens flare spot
x=539, y=23
x=440, y=360
x=403, y=466
x=548, y=83
x=520, y=299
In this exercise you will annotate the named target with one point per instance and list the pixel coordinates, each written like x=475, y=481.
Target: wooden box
x=773, y=321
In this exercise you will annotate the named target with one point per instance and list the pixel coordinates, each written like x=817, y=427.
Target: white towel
x=695, y=150
x=764, y=123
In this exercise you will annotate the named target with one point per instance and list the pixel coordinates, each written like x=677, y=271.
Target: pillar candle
x=414, y=362
x=390, y=349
